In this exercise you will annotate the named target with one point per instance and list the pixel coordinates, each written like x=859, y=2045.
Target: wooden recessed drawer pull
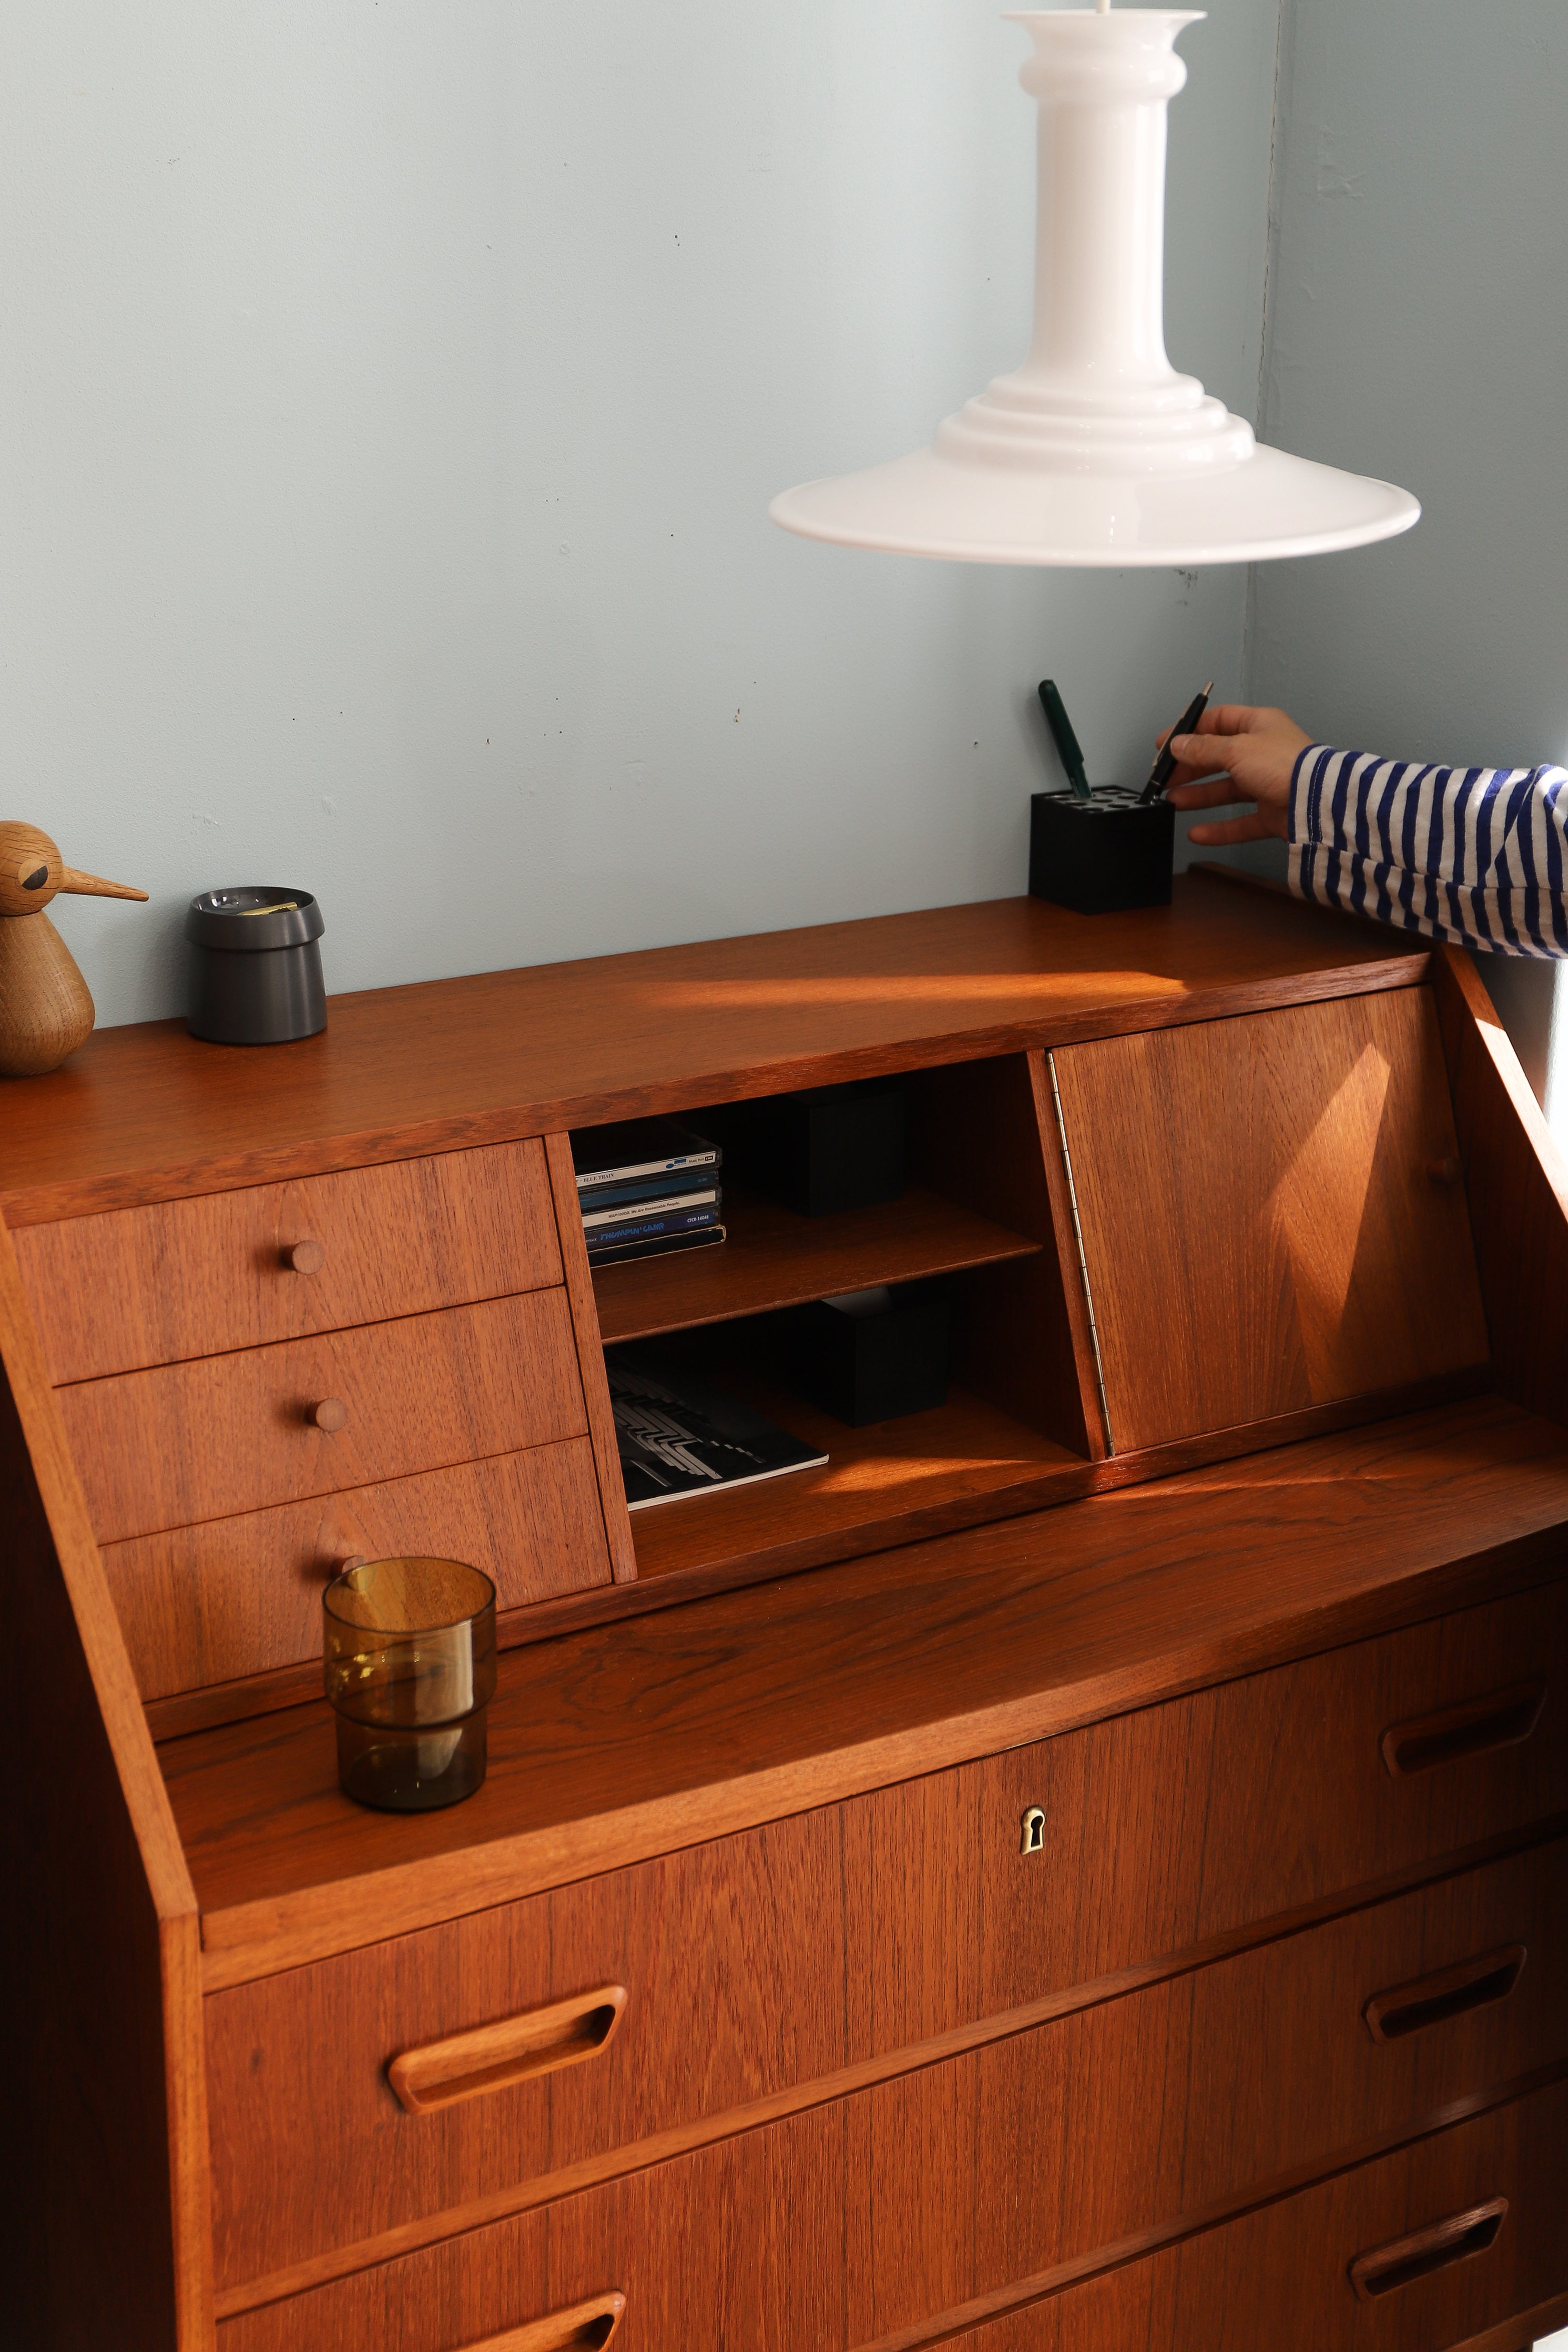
x=492, y=2057
x=331, y=1415
x=1473, y=1728
x=306, y=1257
x=1433, y=2248
x=1447, y=1992
x=586, y=2327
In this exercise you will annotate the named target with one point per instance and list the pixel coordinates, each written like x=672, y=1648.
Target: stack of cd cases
x=647, y=1186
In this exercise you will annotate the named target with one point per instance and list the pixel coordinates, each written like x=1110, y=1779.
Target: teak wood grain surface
x=1517, y=2153
x=1262, y=1226
x=211, y=1439
x=148, y=1112
x=984, y=1133
x=881, y=2220
x=200, y=1277
x=610, y=1744
x=840, y=2063
x=714, y=2028
x=890, y=1483
x=207, y=1604
x=774, y=1258
x=1207, y=1840
x=590, y=1360
x=100, y=1966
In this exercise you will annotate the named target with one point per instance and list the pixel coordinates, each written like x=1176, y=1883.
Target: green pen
x=1065, y=739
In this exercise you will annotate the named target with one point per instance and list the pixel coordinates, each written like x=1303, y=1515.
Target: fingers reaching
x=1257, y=825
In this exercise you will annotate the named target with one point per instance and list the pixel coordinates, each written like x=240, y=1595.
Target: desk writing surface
x=146, y=1112
x=661, y=1730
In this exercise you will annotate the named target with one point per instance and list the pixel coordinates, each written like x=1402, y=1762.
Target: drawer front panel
x=1189, y=1821
x=154, y=1286
x=1285, y=2274
x=893, y=2210
x=230, y=1597
x=1207, y=2082
x=232, y=1433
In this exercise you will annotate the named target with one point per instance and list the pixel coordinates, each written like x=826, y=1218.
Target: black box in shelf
x=1102, y=854
x=872, y=1355
x=830, y=1149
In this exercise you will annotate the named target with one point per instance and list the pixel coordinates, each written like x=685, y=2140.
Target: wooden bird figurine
x=46, y=1011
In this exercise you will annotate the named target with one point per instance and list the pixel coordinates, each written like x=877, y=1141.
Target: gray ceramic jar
x=255, y=965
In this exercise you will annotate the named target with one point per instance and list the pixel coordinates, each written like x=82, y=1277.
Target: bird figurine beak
x=91, y=886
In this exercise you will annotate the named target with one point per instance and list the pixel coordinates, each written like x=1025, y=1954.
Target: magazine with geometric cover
x=678, y=1436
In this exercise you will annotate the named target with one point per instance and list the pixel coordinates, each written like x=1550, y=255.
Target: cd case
x=677, y=1436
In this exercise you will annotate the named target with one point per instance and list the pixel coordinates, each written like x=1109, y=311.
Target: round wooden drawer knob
x=307, y=1258
x=329, y=1414
x=1446, y=1172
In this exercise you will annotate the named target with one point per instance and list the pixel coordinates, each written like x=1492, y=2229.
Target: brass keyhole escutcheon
x=1033, y=1840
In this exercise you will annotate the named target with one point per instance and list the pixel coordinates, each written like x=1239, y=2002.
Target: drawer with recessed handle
x=791, y=1960
x=1053, y=2145
x=130, y=1287
x=1445, y=2243
x=230, y=1433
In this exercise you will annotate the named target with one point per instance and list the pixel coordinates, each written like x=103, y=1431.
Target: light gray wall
x=1418, y=328
x=390, y=396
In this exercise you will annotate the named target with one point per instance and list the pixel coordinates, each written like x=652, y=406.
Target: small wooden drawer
x=230, y=1597
x=231, y=1433
x=1436, y=2245
x=199, y=1278
x=918, y=2197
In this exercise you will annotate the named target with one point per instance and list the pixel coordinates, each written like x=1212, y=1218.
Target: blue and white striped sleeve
x=1475, y=854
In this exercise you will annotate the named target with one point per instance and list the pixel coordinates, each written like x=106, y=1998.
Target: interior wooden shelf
x=888, y=1484
x=775, y=1258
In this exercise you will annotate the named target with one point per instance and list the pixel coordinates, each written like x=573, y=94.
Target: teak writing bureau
x=1085, y=1869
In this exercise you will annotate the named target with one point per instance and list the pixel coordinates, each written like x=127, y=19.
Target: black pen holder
x=255, y=965
x=1101, y=856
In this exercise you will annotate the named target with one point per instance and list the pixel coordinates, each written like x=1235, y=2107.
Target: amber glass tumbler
x=410, y=1662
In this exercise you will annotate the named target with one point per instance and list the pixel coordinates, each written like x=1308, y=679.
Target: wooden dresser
x=1087, y=1871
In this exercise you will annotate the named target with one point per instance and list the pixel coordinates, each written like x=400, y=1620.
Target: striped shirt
x=1476, y=855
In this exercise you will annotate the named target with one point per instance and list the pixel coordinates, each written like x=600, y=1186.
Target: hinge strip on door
x=1083, y=1261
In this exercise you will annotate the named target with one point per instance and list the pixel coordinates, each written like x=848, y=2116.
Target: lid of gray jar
x=221, y=919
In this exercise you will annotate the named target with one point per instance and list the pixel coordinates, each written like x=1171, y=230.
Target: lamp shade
x=1096, y=451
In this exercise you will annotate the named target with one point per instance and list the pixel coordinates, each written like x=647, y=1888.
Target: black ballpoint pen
x=1060, y=726
x=1163, y=768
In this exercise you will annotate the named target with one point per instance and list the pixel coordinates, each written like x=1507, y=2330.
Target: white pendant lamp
x=1096, y=451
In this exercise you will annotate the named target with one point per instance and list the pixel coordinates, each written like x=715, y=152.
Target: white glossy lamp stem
x=1099, y=232
x=1096, y=451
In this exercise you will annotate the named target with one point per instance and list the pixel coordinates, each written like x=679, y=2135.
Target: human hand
x=1255, y=754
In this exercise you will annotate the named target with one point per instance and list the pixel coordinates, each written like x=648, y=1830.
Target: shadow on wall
x=1524, y=991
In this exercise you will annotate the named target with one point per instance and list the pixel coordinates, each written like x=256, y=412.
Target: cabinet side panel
x=88, y=2223
x=591, y=1359
x=102, y=1962
x=975, y=1135
x=1518, y=1189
